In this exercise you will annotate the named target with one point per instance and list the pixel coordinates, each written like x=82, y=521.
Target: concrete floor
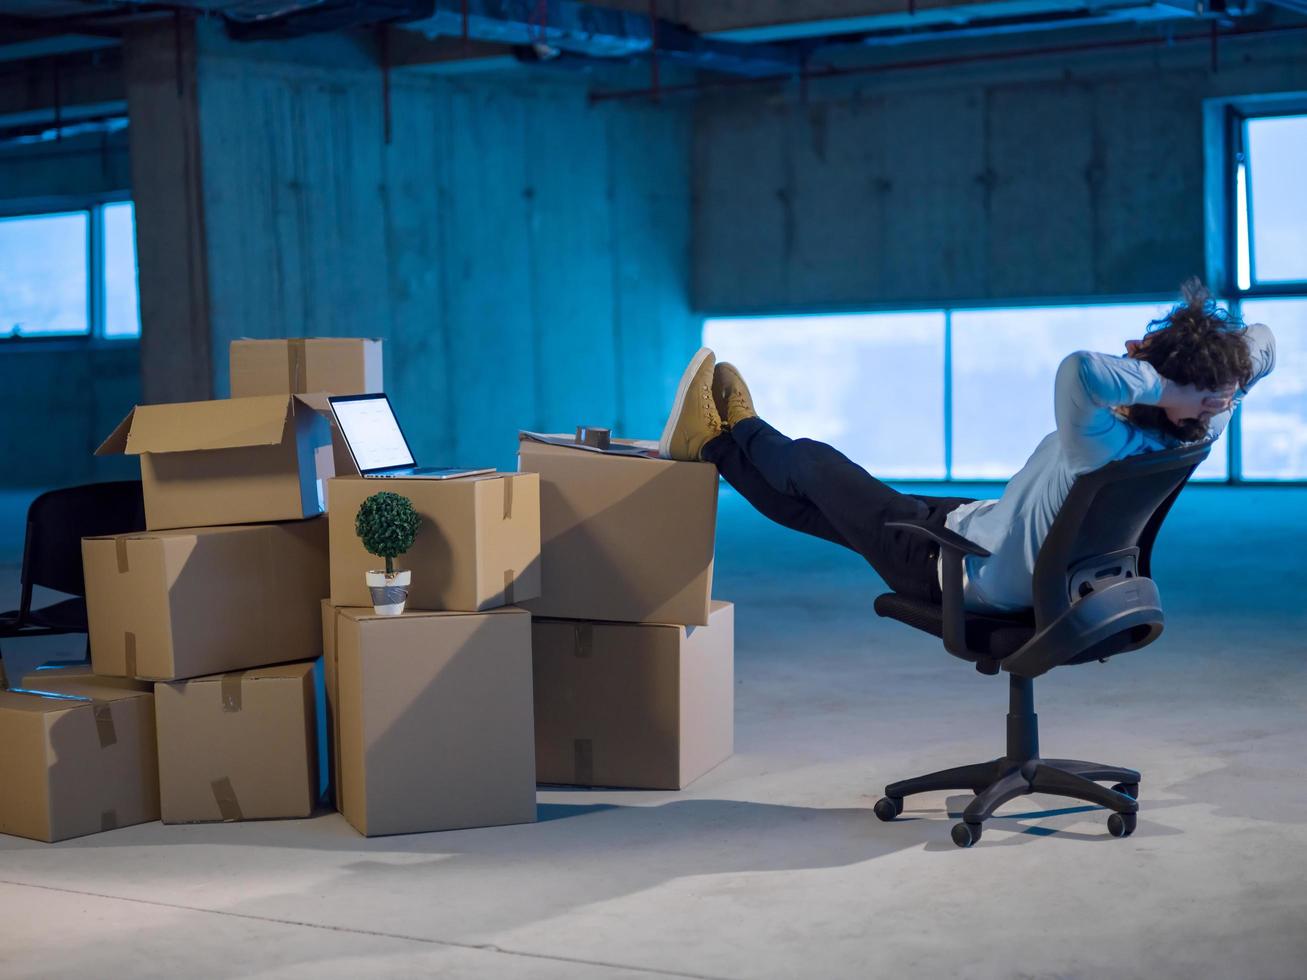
x=773, y=865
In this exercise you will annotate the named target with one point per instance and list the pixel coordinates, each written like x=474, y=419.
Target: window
x=1004, y=365
x=122, y=315
x=43, y=275
x=69, y=274
x=871, y=384
x=874, y=385
x=1269, y=232
x=1274, y=200
x=1273, y=419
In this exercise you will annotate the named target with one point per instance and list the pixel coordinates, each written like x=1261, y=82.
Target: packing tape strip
x=583, y=761
x=224, y=794
x=108, y=820
x=509, y=578
x=231, y=692
x=582, y=639
x=129, y=653
x=295, y=366
x=120, y=549
x=508, y=497
x=104, y=723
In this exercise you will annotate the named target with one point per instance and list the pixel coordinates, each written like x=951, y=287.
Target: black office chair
x=1093, y=599
x=52, y=552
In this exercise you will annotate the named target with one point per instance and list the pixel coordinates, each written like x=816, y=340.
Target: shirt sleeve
x=1087, y=389
x=1261, y=345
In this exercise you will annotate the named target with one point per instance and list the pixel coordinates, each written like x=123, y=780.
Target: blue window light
x=122, y=314
x=1273, y=423
x=44, y=275
x=872, y=385
x=1004, y=364
x=1276, y=198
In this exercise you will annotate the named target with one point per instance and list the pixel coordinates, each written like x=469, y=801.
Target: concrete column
x=167, y=179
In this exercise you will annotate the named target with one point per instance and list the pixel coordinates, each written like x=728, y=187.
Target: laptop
x=377, y=445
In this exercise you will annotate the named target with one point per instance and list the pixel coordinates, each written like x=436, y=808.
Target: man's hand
x=1190, y=402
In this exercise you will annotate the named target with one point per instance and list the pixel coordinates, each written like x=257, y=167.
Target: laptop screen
x=370, y=428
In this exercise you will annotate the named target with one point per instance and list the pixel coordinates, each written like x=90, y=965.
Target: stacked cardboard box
x=188, y=616
x=238, y=746
x=431, y=711
x=633, y=659
x=77, y=755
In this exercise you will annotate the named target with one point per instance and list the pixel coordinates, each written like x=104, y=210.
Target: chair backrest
x=58, y=520
x=1104, y=531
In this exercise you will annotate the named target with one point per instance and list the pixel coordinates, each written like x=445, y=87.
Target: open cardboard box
x=238, y=461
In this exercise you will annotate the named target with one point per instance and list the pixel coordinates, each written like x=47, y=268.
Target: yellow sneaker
x=731, y=394
x=693, y=419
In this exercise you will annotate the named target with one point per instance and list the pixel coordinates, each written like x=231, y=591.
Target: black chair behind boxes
x=52, y=552
x=1093, y=599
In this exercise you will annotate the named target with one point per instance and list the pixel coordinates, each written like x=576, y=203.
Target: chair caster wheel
x=1121, y=824
x=889, y=807
x=966, y=834
x=1129, y=789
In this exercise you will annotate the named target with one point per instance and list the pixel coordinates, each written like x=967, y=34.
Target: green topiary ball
x=387, y=524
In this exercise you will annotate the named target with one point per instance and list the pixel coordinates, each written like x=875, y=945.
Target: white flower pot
x=389, y=592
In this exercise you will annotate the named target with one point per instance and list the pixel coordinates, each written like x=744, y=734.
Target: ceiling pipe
x=950, y=61
x=599, y=32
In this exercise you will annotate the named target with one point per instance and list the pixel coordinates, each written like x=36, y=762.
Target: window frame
x=1237, y=117
x=1237, y=114
x=96, y=293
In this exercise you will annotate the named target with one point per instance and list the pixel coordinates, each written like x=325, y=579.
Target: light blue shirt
x=1090, y=433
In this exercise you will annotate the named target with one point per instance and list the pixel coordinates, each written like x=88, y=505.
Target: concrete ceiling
x=778, y=20
x=692, y=29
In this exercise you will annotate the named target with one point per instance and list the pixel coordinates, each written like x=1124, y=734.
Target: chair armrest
x=941, y=536
x=953, y=549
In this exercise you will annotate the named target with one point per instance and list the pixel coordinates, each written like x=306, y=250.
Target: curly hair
x=1197, y=343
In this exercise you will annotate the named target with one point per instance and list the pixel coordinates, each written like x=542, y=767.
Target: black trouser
x=813, y=488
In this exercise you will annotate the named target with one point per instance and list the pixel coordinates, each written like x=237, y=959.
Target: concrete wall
x=60, y=398
x=524, y=255
x=1054, y=177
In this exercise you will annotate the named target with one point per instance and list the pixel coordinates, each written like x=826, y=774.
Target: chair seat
x=995, y=636
x=67, y=616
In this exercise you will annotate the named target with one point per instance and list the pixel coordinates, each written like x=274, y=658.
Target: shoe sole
x=678, y=406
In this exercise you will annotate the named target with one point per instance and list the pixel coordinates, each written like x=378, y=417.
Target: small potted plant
x=387, y=524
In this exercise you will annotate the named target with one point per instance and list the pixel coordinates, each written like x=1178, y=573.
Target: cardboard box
x=298, y=365
x=434, y=720
x=239, y=461
x=238, y=746
x=631, y=704
x=478, y=545
x=623, y=538
x=166, y=605
x=77, y=761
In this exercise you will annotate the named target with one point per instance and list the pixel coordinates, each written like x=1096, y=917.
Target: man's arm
x=1261, y=345
x=1087, y=388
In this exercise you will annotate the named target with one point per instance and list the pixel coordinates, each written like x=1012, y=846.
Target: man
x=1178, y=384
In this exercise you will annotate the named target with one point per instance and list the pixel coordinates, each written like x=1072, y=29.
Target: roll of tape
x=590, y=435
